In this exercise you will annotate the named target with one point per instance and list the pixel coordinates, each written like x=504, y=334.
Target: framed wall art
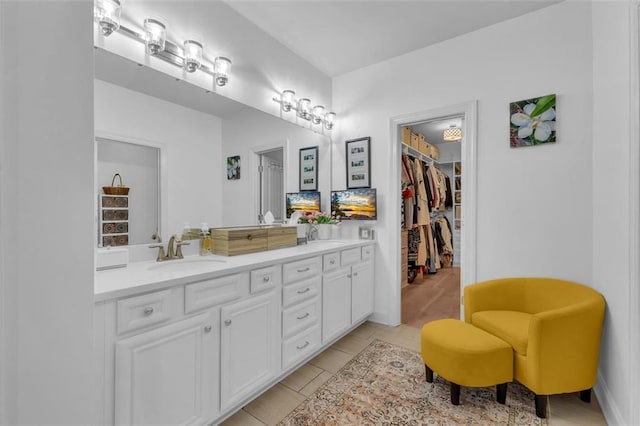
x=358, y=157
x=309, y=169
x=533, y=121
x=233, y=167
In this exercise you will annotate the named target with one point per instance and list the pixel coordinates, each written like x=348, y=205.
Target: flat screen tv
x=354, y=204
x=308, y=201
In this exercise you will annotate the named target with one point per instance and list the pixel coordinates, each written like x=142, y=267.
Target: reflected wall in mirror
x=134, y=218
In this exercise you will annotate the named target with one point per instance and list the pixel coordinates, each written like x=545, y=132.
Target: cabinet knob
x=306, y=343
x=207, y=328
x=227, y=322
x=355, y=274
x=249, y=237
x=332, y=261
x=148, y=311
x=266, y=278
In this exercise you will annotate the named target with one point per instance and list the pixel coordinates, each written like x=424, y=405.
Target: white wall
x=262, y=67
x=534, y=204
x=252, y=130
x=191, y=142
x=612, y=98
x=46, y=213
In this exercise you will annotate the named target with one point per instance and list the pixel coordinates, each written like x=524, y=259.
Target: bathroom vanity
x=191, y=341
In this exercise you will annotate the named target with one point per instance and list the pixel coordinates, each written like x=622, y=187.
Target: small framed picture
x=358, y=157
x=309, y=169
x=233, y=167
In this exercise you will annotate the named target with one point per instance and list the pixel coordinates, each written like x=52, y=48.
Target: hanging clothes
x=422, y=202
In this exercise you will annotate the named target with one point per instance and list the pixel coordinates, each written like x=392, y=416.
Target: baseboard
x=607, y=403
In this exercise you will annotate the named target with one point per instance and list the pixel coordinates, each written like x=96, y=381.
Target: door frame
x=468, y=230
x=254, y=176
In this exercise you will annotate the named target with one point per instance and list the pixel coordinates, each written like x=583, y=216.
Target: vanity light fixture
x=303, y=109
x=329, y=119
x=453, y=133
x=318, y=114
x=192, y=55
x=107, y=14
x=156, y=36
x=222, y=69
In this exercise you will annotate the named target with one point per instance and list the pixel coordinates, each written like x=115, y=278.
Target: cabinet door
x=166, y=376
x=336, y=303
x=361, y=291
x=250, y=347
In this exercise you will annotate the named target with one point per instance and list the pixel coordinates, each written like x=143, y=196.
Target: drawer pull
x=304, y=269
x=207, y=328
x=304, y=316
x=148, y=311
x=227, y=322
x=304, y=291
x=266, y=278
x=306, y=343
x=332, y=261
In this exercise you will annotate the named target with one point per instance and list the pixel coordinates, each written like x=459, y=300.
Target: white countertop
x=141, y=277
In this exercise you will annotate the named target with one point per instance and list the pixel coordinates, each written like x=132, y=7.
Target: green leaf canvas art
x=533, y=121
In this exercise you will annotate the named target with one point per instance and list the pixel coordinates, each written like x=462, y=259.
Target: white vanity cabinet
x=166, y=375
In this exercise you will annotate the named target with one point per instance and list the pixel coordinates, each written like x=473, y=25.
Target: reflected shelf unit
x=113, y=218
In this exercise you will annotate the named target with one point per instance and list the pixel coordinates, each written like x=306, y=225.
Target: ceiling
x=341, y=36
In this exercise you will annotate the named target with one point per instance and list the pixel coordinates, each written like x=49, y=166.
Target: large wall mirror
x=198, y=131
x=133, y=218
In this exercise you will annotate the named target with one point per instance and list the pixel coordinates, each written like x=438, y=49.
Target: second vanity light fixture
x=189, y=56
x=303, y=109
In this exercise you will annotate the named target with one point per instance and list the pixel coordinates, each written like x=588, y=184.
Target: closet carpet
x=432, y=297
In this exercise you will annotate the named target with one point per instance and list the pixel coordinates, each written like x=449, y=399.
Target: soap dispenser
x=205, y=239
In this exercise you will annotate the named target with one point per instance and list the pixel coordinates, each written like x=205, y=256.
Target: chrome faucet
x=174, y=249
x=312, y=233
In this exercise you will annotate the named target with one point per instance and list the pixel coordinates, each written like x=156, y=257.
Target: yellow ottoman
x=466, y=356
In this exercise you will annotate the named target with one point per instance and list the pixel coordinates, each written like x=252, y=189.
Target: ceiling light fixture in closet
x=453, y=133
x=302, y=107
x=107, y=14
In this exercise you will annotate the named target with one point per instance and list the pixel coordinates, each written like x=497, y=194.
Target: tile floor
x=284, y=397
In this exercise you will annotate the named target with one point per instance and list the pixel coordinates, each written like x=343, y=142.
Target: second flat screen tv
x=308, y=201
x=354, y=204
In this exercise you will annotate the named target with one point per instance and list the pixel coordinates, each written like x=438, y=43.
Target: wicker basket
x=116, y=190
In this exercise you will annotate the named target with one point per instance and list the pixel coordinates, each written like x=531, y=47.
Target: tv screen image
x=354, y=204
x=308, y=201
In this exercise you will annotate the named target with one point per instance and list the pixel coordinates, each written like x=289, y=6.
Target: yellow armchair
x=554, y=327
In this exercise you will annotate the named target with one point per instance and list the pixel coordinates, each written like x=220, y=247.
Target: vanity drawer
x=299, y=317
x=205, y=294
x=298, y=292
x=350, y=256
x=265, y=278
x=331, y=261
x=367, y=252
x=148, y=309
x=299, y=346
x=301, y=269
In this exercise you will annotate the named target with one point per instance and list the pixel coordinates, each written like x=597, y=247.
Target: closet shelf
x=417, y=154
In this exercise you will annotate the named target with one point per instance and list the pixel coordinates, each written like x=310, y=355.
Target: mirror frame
x=162, y=196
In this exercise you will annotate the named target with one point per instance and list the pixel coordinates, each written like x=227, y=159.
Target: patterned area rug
x=385, y=385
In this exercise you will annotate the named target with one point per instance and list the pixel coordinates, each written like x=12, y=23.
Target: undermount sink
x=185, y=265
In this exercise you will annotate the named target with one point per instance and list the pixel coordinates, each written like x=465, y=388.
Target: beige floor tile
x=368, y=329
x=301, y=377
x=242, y=418
x=316, y=383
x=273, y=405
x=351, y=344
x=331, y=360
x=568, y=409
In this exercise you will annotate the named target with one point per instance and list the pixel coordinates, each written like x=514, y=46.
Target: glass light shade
x=222, y=68
x=318, y=114
x=287, y=100
x=304, y=108
x=192, y=55
x=107, y=14
x=329, y=119
x=156, y=35
x=453, y=133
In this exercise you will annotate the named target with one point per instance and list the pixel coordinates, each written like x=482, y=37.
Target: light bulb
x=329, y=119
x=318, y=114
x=304, y=108
x=287, y=100
x=107, y=14
x=222, y=67
x=192, y=55
x=156, y=35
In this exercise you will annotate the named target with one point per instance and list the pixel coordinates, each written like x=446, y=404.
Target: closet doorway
x=271, y=181
x=436, y=188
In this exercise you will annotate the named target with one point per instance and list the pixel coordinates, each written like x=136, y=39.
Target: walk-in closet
x=431, y=207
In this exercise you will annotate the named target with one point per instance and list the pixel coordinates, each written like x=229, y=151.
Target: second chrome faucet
x=174, y=249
